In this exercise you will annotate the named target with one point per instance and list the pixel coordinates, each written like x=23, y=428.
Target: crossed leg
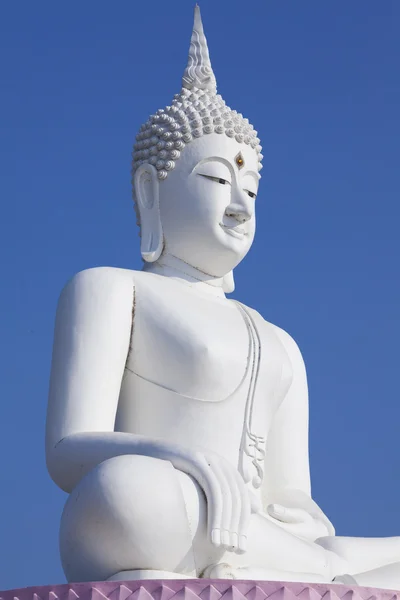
x=135, y=513
x=371, y=561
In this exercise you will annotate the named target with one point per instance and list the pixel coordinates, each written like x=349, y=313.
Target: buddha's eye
x=216, y=179
x=251, y=194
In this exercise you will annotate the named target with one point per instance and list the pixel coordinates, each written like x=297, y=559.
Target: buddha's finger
x=215, y=505
x=232, y=525
x=222, y=475
x=207, y=480
x=243, y=518
x=245, y=515
x=298, y=515
x=288, y=515
x=223, y=504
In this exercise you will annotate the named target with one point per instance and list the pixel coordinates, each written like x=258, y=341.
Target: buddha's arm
x=91, y=343
x=287, y=458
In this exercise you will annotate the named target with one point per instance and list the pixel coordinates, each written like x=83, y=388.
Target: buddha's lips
x=237, y=232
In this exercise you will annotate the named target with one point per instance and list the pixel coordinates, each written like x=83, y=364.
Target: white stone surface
x=178, y=419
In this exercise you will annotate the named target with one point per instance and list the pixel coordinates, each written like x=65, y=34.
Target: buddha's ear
x=228, y=283
x=146, y=189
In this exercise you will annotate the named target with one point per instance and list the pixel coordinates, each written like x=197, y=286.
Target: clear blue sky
x=320, y=80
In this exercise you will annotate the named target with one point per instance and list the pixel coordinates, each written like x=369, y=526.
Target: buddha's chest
x=192, y=344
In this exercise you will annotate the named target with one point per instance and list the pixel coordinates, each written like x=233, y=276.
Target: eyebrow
x=217, y=159
x=256, y=176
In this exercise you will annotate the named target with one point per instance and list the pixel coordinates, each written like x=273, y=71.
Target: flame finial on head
x=196, y=111
x=198, y=73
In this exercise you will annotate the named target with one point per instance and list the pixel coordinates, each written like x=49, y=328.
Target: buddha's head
x=196, y=170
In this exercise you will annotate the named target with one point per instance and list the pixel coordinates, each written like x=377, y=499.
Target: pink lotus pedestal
x=197, y=589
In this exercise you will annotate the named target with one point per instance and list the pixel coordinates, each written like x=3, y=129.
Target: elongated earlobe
x=228, y=283
x=146, y=186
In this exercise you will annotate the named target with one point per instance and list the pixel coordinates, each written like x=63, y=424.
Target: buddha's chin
x=230, y=253
x=217, y=260
x=214, y=252
x=235, y=242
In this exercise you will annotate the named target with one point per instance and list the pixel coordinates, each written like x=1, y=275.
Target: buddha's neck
x=175, y=268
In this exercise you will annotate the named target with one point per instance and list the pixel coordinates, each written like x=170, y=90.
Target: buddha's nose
x=241, y=211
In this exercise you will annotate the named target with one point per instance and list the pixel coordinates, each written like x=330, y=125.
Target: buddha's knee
x=127, y=513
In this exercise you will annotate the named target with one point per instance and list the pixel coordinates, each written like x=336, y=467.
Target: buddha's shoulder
x=100, y=281
x=284, y=339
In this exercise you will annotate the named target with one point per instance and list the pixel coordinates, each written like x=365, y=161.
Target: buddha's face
x=207, y=204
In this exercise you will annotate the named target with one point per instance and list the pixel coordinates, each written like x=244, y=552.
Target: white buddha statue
x=178, y=419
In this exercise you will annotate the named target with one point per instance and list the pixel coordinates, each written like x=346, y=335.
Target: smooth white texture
x=178, y=420
x=136, y=512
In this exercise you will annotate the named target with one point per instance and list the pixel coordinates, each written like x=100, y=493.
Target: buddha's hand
x=307, y=525
x=228, y=500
